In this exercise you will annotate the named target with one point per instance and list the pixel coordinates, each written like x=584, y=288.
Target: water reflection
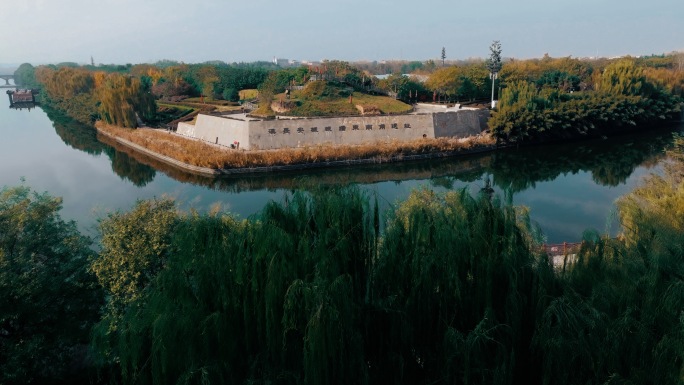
x=75, y=134
x=24, y=106
x=568, y=187
x=611, y=162
x=85, y=138
x=467, y=169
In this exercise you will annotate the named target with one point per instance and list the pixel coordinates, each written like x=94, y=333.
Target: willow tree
x=619, y=318
x=456, y=292
x=278, y=297
x=69, y=90
x=65, y=82
x=123, y=99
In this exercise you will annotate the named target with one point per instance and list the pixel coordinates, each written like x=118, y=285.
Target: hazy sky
x=137, y=31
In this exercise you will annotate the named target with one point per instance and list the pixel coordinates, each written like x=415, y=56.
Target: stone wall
x=460, y=124
x=272, y=134
x=252, y=134
x=225, y=131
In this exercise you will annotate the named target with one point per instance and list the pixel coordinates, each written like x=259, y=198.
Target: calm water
x=568, y=188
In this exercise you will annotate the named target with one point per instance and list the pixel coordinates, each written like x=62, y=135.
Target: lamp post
x=493, y=76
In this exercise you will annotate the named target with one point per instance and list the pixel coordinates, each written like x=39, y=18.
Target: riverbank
x=210, y=160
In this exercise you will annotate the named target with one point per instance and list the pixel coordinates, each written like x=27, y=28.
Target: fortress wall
x=282, y=133
x=302, y=132
x=186, y=129
x=484, y=116
x=218, y=130
x=460, y=124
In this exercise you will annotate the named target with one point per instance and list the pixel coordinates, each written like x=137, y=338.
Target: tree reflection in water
x=610, y=163
x=82, y=137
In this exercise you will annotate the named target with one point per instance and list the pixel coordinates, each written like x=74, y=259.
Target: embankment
x=474, y=145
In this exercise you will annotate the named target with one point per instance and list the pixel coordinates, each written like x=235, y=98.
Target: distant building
x=281, y=62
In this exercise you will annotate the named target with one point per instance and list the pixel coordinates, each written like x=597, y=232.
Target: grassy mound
x=323, y=98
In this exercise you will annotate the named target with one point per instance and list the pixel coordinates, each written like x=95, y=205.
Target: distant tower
x=92, y=61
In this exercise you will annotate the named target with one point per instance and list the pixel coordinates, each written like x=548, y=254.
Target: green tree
x=135, y=246
x=307, y=292
x=446, y=81
x=411, y=67
x=275, y=83
x=619, y=318
x=461, y=300
x=443, y=56
x=430, y=66
x=48, y=298
x=207, y=77
x=25, y=76
x=475, y=80
x=402, y=85
x=275, y=298
x=621, y=78
x=562, y=81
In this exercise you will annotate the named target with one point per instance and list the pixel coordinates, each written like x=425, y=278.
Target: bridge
x=7, y=79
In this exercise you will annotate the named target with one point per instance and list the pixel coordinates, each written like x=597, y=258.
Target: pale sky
x=139, y=31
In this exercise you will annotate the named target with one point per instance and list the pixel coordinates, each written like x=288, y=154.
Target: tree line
x=621, y=96
x=556, y=92
x=323, y=288
x=120, y=94
x=87, y=96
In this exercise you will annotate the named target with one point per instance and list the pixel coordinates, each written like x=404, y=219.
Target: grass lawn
x=248, y=94
x=325, y=99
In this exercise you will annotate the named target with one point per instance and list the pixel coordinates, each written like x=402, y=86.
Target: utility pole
x=493, y=76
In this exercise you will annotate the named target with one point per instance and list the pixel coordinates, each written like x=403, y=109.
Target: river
x=568, y=187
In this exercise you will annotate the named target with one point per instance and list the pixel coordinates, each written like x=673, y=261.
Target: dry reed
x=203, y=154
